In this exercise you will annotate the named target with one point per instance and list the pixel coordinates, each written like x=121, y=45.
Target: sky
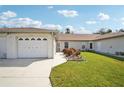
x=79, y=18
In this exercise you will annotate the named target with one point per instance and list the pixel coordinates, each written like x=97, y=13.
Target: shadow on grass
x=108, y=55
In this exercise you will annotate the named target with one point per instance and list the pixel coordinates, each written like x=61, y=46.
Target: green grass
x=98, y=71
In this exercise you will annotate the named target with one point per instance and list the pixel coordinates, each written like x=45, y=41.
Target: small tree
x=108, y=31
x=121, y=30
x=67, y=31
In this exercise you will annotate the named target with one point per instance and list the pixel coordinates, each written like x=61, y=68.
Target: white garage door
x=32, y=47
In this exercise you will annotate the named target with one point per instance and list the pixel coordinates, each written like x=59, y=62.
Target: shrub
x=122, y=53
x=71, y=51
x=119, y=53
x=65, y=50
x=77, y=53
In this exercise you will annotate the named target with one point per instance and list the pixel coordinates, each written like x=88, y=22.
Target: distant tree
x=67, y=31
x=108, y=31
x=121, y=30
x=103, y=31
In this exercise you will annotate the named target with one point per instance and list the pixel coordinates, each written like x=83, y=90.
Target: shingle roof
x=65, y=37
x=87, y=37
x=76, y=37
x=110, y=35
x=26, y=30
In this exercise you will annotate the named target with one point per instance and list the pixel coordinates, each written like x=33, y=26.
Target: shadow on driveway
x=18, y=62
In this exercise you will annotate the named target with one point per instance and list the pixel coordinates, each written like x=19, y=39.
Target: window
x=38, y=39
x=58, y=44
x=33, y=39
x=44, y=39
x=66, y=44
x=20, y=39
x=27, y=39
x=83, y=46
x=91, y=46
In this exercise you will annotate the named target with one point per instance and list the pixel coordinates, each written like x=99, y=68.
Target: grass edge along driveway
x=97, y=71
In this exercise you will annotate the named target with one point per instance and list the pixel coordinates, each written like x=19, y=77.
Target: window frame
x=20, y=39
x=66, y=45
x=32, y=38
x=27, y=39
x=45, y=39
x=91, y=45
x=39, y=39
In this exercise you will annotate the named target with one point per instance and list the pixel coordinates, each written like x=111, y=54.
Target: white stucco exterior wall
x=61, y=43
x=50, y=54
x=9, y=44
x=3, y=50
x=51, y=46
x=54, y=47
x=77, y=44
x=110, y=45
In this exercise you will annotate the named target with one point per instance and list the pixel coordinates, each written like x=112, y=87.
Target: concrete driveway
x=27, y=72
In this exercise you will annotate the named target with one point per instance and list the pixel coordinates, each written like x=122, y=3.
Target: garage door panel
x=32, y=48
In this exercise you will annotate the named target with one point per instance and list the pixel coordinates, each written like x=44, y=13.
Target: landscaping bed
x=72, y=54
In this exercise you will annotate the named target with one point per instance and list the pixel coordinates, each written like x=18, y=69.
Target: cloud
x=103, y=16
x=122, y=19
x=90, y=22
x=50, y=7
x=7, y=14
x=83, y=30
x=11, y=20
x=21, y=22
x=68, y=13
x=52, y=26
x=26, y=22
x=3, y=22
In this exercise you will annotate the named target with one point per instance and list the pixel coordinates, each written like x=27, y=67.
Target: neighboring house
x=108, y=43
x=27, y=43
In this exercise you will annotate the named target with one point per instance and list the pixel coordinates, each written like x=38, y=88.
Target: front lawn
x=97, y=71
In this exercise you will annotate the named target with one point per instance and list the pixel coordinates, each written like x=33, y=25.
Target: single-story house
x=107, y=43
x=27, y=43
x=34, y=42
